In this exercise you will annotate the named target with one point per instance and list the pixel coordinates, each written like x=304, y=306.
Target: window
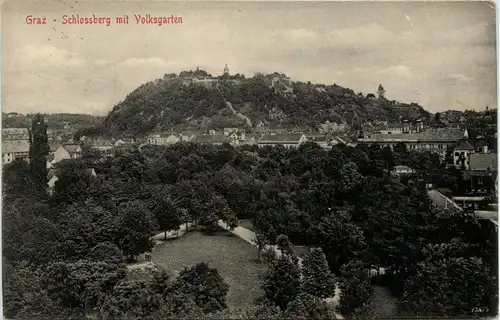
x=457, y=154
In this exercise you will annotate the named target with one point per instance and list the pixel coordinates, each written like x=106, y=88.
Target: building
x=320, y=140
x=187, y=135
x=482, y=172
x=66, y=152
x=286, y=140
x=162, y=139
x=211, y=139
x=228, y=131
x=103, y=146
x=436, y=140
x=393, y=128
x=461, y=154
x=15, y=149
x=15, y=134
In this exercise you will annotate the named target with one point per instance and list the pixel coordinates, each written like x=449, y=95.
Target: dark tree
x=282, y=281
x=39, y=150
x=134, y=226
x=204, y=285
x=357, y=294
x=317, y=280
x=306, y=306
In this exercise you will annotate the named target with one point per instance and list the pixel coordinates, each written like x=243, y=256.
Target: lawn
x=385, y=304
x=234, y=258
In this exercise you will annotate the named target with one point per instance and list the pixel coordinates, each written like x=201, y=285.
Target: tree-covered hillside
x=175, y=102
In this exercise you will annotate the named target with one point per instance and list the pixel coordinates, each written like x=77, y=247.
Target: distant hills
x=55, y=121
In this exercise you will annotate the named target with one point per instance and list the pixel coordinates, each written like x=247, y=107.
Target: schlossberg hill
x=194, y=100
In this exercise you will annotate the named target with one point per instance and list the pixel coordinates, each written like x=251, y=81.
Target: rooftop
x=210, y=139
x=483, y=161
x=291, y=137
x=72, y=148
x=438, y=134
x=464, y=145
x=15, y=146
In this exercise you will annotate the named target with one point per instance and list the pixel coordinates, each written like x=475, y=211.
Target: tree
x=306, y=306
x=204, y=285
x=448, y=285
x=282, y=281
x=381, y=92
x=357, y=294
x=168, y=215
x=81, y=284
x=107, y=252
x=261, y=242
x=340, y=239
x=317, y=280
x=350, y=178
x=39, y=150
x=129, y=299
x=134, y=227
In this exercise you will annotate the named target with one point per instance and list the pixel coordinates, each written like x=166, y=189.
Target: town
x=250, y=160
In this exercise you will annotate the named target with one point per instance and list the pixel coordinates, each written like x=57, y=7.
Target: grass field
x=384, y=303
x=232, y=257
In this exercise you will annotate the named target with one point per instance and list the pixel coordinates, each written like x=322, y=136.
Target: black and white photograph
x=267, y=160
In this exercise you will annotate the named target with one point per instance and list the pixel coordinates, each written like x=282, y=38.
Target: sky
x=441, y=55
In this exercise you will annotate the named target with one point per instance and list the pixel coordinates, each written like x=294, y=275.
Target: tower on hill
x=226, y=70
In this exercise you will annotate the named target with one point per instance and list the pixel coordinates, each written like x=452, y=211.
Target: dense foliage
x=343, y=201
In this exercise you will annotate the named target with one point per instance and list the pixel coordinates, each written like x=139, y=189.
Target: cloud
x=35, y=57
x=153, y=62
x=399, y=71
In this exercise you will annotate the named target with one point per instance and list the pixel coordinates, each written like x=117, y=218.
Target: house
x=286, y=140
x=393, y=128
x=104, y=146
x=162, y=139
x=187, y=135
x=402, y=170
x=482, y=171
x=209, y=139
x=435, y=140
x=15, y=149
x=67, y=151
x=461, y=154
x=237, y=136
x=228, y=131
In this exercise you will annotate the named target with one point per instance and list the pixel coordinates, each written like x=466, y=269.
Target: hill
x=197, y=101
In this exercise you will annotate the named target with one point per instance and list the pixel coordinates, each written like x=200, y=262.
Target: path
x=249, y=236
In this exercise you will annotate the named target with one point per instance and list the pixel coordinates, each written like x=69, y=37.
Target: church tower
x=226, y=70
